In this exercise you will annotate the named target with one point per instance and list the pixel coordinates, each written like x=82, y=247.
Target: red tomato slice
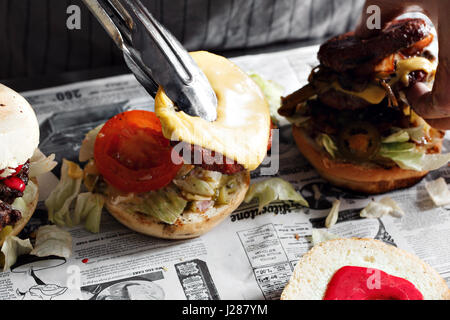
x=132, y=154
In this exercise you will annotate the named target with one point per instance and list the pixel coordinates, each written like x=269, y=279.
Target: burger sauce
x=359, y=283
x=14, y=182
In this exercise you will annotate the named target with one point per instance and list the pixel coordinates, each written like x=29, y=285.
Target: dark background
x=38, y=50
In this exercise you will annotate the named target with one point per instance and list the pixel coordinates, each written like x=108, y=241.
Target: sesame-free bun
x=19, y=129
x=315, y=269
x=360, y=178
x=189, y=224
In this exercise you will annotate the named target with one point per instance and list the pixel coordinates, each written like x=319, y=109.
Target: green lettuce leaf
x=272, y=92
x=28, y=197
x=164, y=204
x=328, y=144
x=40, y=164
x=12, y=248
x=416, y=134
x=60, y=199
x=89, y=208
x=438, y=192
x=408, y=157
x=319, y=235
x=399, y=136
x=52, y=241
x=271, y=190
x=87, y=146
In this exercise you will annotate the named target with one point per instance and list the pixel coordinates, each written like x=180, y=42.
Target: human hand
x=433, y=105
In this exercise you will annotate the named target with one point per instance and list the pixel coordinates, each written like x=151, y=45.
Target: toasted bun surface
x=19, y=129
x=189, y=225
x=365, y=179
x=26, y=215
x=316, y=268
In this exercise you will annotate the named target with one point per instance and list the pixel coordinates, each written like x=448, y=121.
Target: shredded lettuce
x=40, y=164
x=396, y=211
x=399, y=136
x=164, y=204
x=328, y=144
x=60, y=199
x=408, y=157
x=417, y=134
x=87, y=146
x=333, y=215
x=272, y=92
x=89, y=208
x=438, y=192
x=12, y=248
x=28, y=197
x=52, y=241
x=273, y=189
x=375, y=210
x=320, y=235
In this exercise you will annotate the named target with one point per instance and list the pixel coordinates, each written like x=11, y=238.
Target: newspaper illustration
x=251, y=255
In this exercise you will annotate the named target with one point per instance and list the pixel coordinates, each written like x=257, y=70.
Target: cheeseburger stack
x=352, y=121
x=155, y=188
x=19, y=138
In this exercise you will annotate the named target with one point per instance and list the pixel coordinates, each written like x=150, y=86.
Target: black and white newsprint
x=251, y=255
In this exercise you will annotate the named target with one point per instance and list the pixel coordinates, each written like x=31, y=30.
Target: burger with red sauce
x=353, y=122
x=170, y=175
x=19, y=138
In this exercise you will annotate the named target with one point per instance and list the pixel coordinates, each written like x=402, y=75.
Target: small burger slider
x=20, y=162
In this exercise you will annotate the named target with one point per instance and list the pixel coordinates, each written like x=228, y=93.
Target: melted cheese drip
x=241, y=131
x=375, y=94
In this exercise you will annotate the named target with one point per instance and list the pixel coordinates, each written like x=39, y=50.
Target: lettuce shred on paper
x=12, y=248
x=52, y=241
x=271, y=190
x=438, y=192
x=320, y=235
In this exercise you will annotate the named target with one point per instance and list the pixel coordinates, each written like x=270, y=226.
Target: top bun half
x=19, y=129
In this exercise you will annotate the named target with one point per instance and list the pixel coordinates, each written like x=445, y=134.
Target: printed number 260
x=68, y=95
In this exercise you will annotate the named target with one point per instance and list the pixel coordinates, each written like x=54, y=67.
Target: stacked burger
x=352, y=120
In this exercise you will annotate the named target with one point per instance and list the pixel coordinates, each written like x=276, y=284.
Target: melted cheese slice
x=375, y=94
x=241, y=130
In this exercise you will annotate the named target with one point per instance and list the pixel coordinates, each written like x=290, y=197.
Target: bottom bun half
x=360, y=178
x=26, y=214
x=316, y=268
x=189, y=225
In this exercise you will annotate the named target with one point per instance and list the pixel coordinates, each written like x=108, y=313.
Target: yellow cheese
x=241, y=131
x=405, y=67
x=375, y=94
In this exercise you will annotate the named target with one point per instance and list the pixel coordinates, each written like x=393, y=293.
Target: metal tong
x=155, y=56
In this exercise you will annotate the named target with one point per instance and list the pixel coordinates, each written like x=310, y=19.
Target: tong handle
x=155, y=56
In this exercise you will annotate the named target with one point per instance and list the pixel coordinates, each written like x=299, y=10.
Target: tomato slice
x=132, y=154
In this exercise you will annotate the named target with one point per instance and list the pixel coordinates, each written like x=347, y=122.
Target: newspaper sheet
x=251, y=255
